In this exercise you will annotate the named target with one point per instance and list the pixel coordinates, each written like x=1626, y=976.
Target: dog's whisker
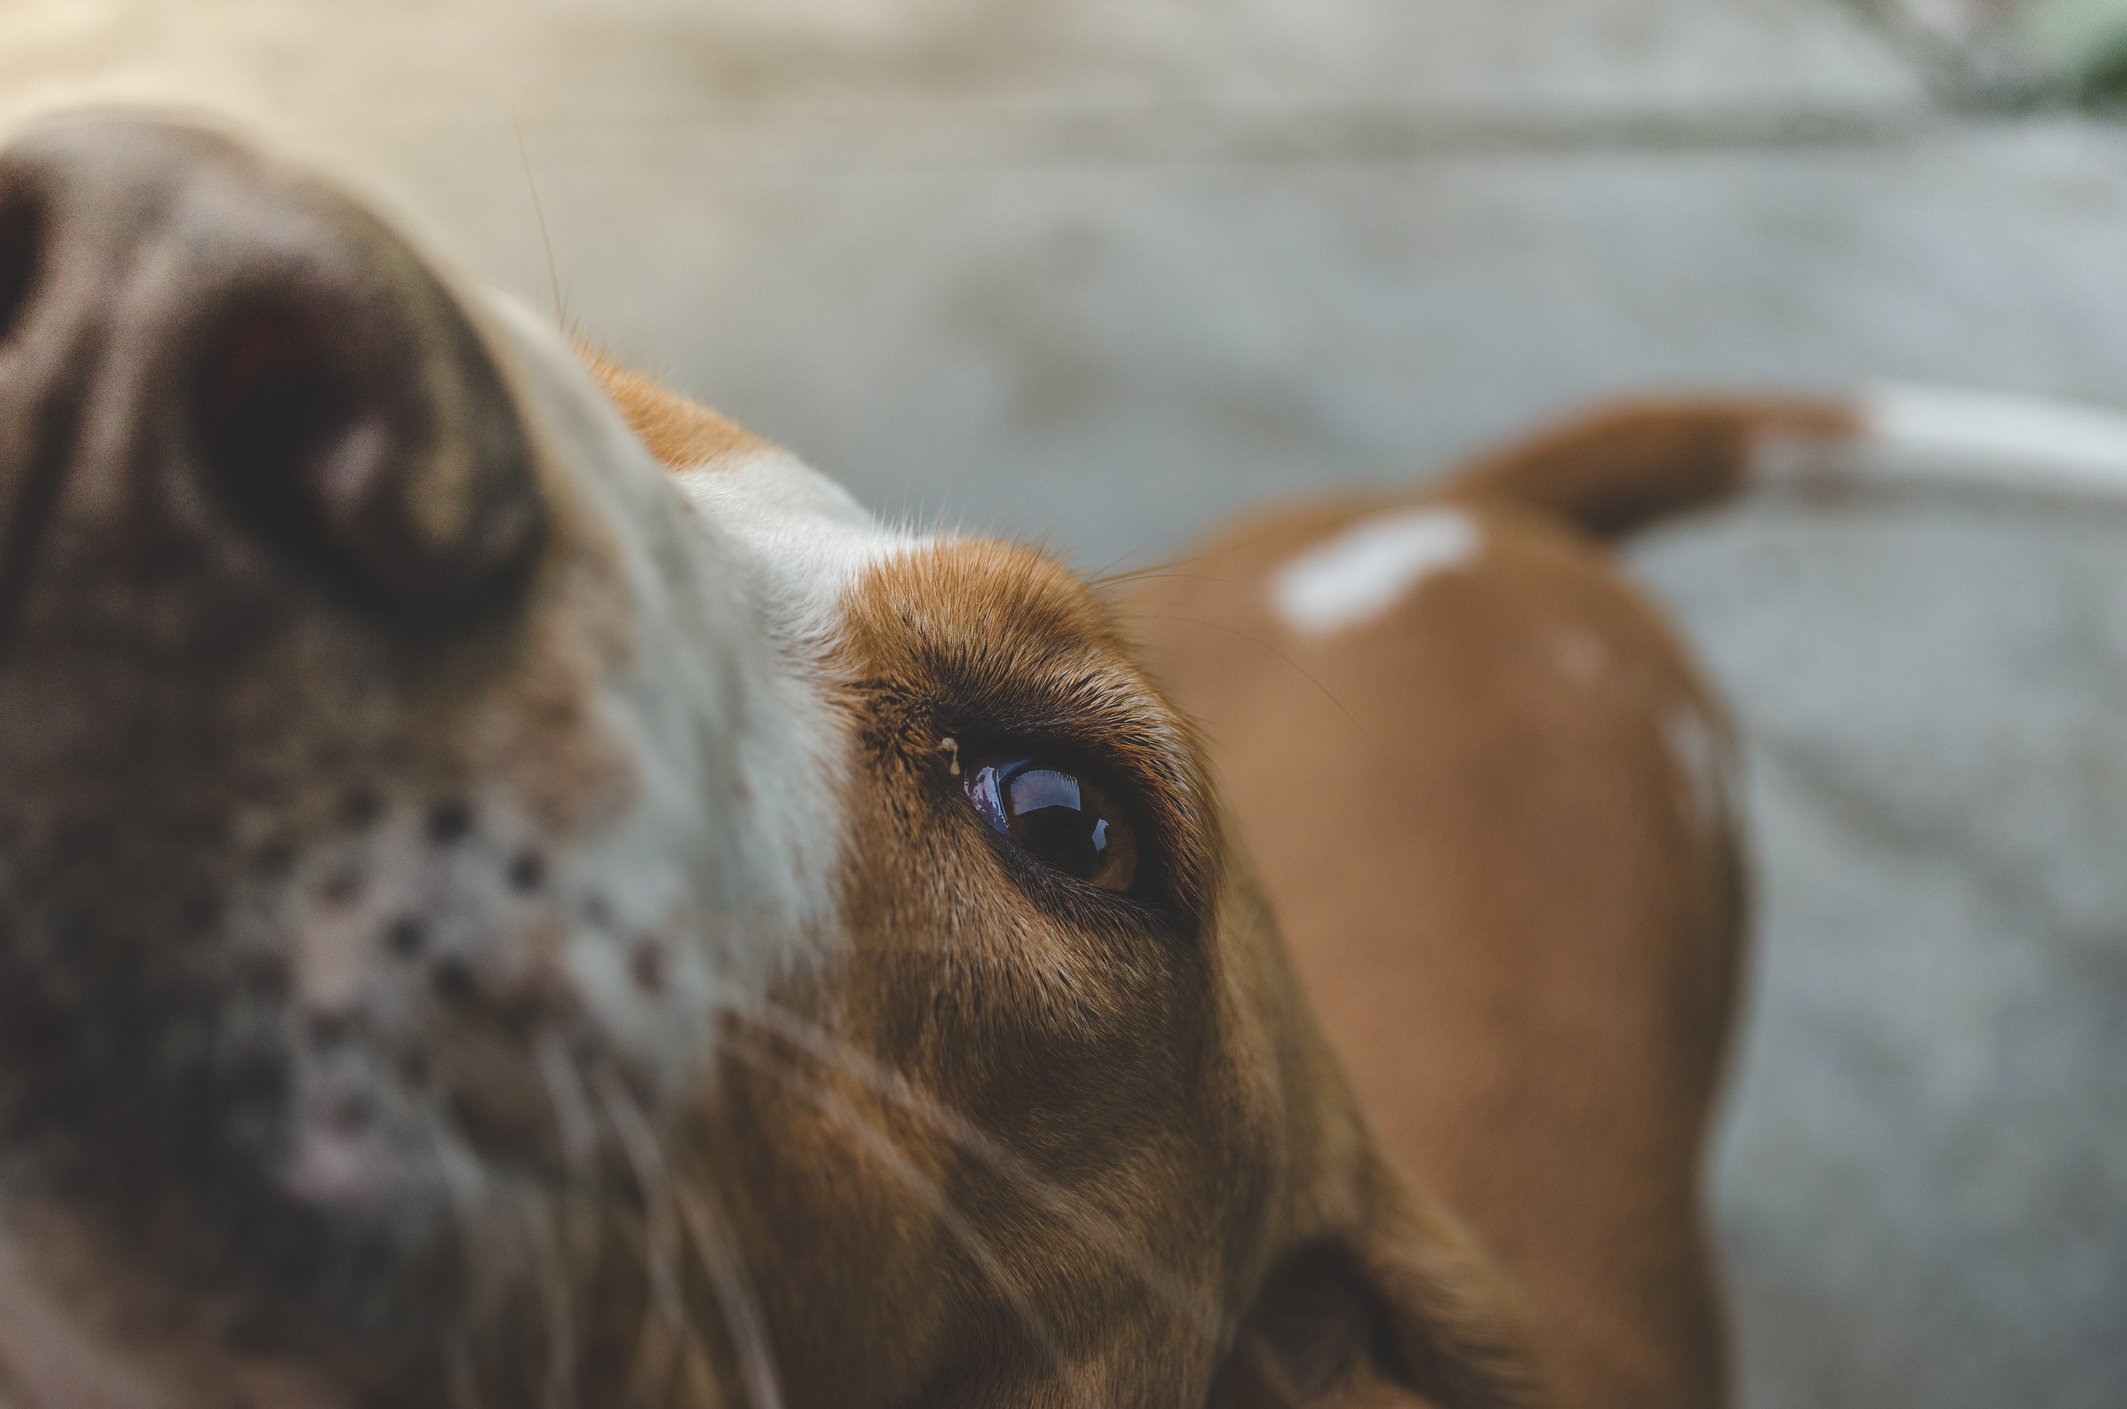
x=729, y=1284
x=874, y=1138
x=557, y=1308
x=465, y=1188
x=546, y=238
x=568, y=1239
x=665, y=1306
x=575, y=1120
x=460, y=1371
x=576, y=1130
x=1109, y=576
x=464, y=1184
x=735, y=1296
x=1200, y=1310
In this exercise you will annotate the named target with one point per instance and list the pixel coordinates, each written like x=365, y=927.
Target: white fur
x=2047, y=444
x=1701, y=762
x=1368, y=568
x=735, y=808
x=1926, y=438
x=804, y=540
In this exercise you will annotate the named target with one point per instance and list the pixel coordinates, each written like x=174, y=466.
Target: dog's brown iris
x=1058, y=816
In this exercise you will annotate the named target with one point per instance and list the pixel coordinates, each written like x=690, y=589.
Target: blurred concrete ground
x=1100, y=270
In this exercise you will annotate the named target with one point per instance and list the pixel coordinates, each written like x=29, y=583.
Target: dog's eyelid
x=1140, y=788
x=1152, y=788
x=1082, y=705
x=1110, y=725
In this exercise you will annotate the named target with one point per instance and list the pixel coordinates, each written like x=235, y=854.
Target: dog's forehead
x=801, y=539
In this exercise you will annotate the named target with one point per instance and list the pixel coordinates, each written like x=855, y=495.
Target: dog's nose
x=222, y=344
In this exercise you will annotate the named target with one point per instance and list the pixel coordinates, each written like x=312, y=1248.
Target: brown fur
x=1180, y=1157
x=1623, y=467
x=1522, y=944
x=677, y=431
x=474, y=1058
x=1475, y=834
x=992, y=1137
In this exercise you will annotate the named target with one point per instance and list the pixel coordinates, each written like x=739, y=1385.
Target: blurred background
x=1100, y=270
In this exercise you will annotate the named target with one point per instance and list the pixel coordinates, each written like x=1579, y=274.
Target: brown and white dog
x=515, y=892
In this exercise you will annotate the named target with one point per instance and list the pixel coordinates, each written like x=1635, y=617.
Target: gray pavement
x=1102, y=270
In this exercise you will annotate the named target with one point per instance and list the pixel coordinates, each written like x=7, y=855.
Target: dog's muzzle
x=381, y=741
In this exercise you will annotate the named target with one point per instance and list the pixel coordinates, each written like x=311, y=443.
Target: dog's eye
x=1058, y=816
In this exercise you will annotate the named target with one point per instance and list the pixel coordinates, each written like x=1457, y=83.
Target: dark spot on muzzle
x=450, y=822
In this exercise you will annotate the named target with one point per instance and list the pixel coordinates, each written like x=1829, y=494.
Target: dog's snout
x=350, y=416
x=275, y=356
x=393, y=766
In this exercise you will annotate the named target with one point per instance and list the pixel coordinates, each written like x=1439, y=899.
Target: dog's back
x=1489, y=794
x=1490, y=813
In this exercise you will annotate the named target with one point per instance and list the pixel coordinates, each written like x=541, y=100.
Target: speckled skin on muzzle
x=359, y=874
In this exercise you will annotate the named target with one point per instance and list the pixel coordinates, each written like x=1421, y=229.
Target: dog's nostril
x=21, y=254
x=382, y=456
x=282, y=428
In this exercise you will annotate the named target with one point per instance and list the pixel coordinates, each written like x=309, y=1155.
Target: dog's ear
x=1403, y=1313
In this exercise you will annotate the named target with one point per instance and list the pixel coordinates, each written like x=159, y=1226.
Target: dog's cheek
x=1400, y=1312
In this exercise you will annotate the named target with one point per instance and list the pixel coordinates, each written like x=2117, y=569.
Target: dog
x=514, y=891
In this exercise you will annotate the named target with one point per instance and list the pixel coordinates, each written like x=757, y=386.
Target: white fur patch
x=805, y=541
x=730, y=591
x=1701, y=762
x=1918, y=438
x=1368, y=568
x=2054, y=443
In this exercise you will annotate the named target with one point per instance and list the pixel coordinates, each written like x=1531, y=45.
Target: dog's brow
x=803, y=540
